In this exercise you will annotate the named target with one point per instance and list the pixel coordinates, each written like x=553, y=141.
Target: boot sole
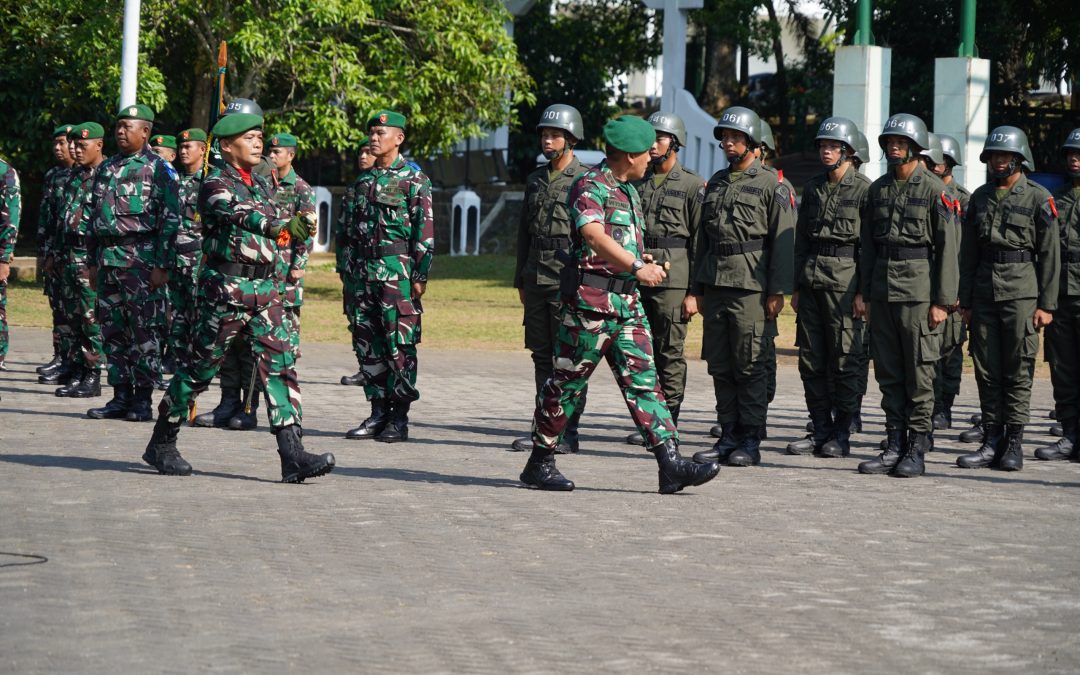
x=391, y=440
x=678, y=487
x=121, y=416
x=174, y=472
x=297, y=478
x=547, y=488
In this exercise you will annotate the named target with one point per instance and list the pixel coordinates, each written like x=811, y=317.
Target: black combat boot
x=1056, y=429
x=374, y=424
x=73, y=383
x=356, y=380
x=226, y=409
x=896, y=441
x=61, y=375
x=541, y=473
x=803, y=446
x=1064, y=447
x=911, y=462
x=161, y=452
x=90, y=386
x=141, y=409
x=856, y=418
x=749, y=451
x=677, y=473
x=117, y=407
x=296, y=463
x=840, y=443
x=820, y=428
x=52, y=365
x=975, y=434
x=523, y=444
x=397, y=424
x=723, y=448
x=1012, y=455
x=988, y=453
x=1052, y=414
x=244, y=420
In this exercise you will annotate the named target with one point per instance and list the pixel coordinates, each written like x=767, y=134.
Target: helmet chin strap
x=672, y=148
x=552, y=155
x=897, y=161
x=836, y=165
x=1011, y=168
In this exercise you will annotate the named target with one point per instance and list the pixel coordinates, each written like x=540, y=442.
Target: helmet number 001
x=551, y=115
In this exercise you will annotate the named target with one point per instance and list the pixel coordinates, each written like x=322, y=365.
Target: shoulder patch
x=1053, y=206
x=945, y=200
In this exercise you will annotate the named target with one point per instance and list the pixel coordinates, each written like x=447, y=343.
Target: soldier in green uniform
x=671, y=199
x=828, y=334
x=1010, y=269
x=10, y=210
x=239, y=295
x=52, y=186
x=365, y=160
x=164, y=147
x=183, y=282
x=390, y=243
x=1063, y=335
x=603, y=318
x=908, y=277
x=743, y=264
x=542, y=241
x=82, y=343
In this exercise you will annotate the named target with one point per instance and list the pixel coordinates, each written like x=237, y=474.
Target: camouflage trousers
x=131, y=315
x=232, y=308
x=386, y=327
x=3, y=320
x=50, y=285
x=80, y=334
x=350, y=291
x=183, y=292
x=292, y=317
x=585, y=338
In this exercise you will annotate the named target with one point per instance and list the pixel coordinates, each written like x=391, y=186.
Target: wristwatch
x=637, y=265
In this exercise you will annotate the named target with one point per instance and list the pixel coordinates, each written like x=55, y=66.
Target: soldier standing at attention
x=602, y=316
x=10, y=210
x=542, y=244
x=828, y=334
x=1010, y=268
x=393, y=242
x=671, y=199
x=131, y=234
x=164, y=147
x=239, y=295
x=365, y=161
x=908, y=276
x=52, y=187
x=743, y=263
x=1063, y=335
x=184, y=280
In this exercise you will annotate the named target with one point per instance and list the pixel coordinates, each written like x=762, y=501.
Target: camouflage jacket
x=544, y=227
x=384, y=208
x=598, y=197
x=189, y=235
x=70, y=240
x=293, y=196
x=830, y=216
x=10, y=209
x=672, y=214
x=52, y=201
x=134, y=213
x=1068, y=207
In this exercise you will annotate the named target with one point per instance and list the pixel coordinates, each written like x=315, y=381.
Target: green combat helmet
x=862, y=149
x=669, y=123
x=243, y=105
x=933, y=151
x=909, y=127
x=843, y=130
x=565, y=117
x=1008, y=139
x=951, y=149
x=1072, y=142
x=740, y=119
x=767, y=140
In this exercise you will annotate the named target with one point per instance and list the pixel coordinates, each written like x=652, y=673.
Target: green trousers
x=1004, y=344
x=830, y=343
x=737, y=347
x=663, y=309
x=906, y=351
x=1063, y=353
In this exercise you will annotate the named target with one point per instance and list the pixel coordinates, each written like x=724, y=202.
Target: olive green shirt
x=544, y=214
x=672, y=212
x=830, y=214
x=1068, y=208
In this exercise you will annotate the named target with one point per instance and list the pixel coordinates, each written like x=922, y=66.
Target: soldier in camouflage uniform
x=365, y=160
x=1010, y=269
x=164, y=147
x=742, y=268
x=1063, y=335
x=542, y=242
x=10, y=210
x=52, y=186
x=238, y=294
x=603, y=317
x=183, y=281
x=908, y=277
x=390, y=241
x=131, y=236
x=82, y=342
x=671, y=199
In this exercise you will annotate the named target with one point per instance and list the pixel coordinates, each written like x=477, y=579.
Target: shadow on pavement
x=414, y=476
x=95, y=464
x=49, y=413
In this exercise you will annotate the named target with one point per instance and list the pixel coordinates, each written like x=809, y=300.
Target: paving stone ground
x=428, y=556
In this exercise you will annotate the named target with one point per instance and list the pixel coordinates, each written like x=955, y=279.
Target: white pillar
x=962, y=110
x=861, y=87
x=674, y=57
x=129, y=60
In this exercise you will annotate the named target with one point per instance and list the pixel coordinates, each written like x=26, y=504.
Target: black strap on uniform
x=609, y=284
x=376, y=251
x=551, y=243
x=833, y=250
x=234, y=269
x=903, y=252
x=728, y=249
x=189, y=246
x=1070, y=256
x=1002, y=255
x=666, y=242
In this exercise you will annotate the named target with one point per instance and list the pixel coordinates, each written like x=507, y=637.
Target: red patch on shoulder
x=1053, y=207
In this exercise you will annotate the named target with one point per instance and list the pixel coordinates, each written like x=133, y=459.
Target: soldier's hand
x=937, y=315
x=773, y=306
x=299, y=228
x=296, y=275
x=965, y=314
x=689, y=307
x=312, y=220
x=418, y=288
x=860, y=309
x=5, y=271
x=158, y=277
x=650, y=275
x=1042, y=319
x=795, y=302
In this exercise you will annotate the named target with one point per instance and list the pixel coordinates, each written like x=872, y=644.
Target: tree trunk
x=203, y=91
x=782, y=104
x=719, y=85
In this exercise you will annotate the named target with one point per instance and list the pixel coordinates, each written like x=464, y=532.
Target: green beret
x=136, y=111
x=364, y=141
x=629, y=133
x=63, y=130
x=163, y=141
x=236, y=124
x=194, y=134
x=283, y=141
x=387, y=118
x=87, y=131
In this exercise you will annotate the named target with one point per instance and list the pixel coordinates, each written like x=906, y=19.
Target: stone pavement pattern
x=427, y=556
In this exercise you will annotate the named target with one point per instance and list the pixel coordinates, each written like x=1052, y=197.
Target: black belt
x=727, y=249
x=376, y=251
x=666, y=242
x=124, y=239
x=1004, y=255
x=903, y=252
x=609, y=284
x=833, y=250
x=75, y=241
x=189, y=247
x=1070, y=256
x=247, y=271
x=551, y=243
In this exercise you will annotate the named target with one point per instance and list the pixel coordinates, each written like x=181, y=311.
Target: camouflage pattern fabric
x=80, y=334
x=10, y=210
x=183, y=280
x=52, y=201
x=294, y=196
